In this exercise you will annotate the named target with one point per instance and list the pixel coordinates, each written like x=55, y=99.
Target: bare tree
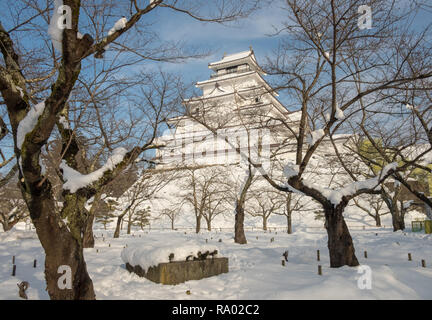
x=330, y=66
x=240, y=203
x=134, y=198
x=293, y=203
x=13, y=208
x=373, y=206
x=205, y=188
x=263, y=204
x=172, y=213
x=141, y=218
x=32, y=124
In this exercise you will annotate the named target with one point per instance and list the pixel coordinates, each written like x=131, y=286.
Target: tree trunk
x=129, y=227
x=172, y=224
x=6, y=226
x=397, y=221
x=239, y=234
x=198, y=224
x=209, y=224
x=264, y=223
x=63, y=247
x=129, y=224
x=397, y=217
x=378, y=220
x=88, y=237
x=341, y=248
x=117, y=229
x=289, y=223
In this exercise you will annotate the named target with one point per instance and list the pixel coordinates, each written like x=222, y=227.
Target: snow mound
x=149, y=256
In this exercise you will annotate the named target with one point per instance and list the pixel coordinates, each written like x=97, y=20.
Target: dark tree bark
x=378, y=220
x=239, y=234
x=198, y=223
x=62, y=248
x=129, y=226
x=341, y=248
x=398, y=220
x=264, y=223
x=88, y=237
x=289, y=223
x=117, y=229
x=8, y=225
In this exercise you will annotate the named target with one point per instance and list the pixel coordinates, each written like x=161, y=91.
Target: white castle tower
x=236, y=112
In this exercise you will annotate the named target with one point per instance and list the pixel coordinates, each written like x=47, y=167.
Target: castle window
x=231, y=69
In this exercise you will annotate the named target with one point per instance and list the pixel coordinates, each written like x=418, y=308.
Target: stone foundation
x=180, y=271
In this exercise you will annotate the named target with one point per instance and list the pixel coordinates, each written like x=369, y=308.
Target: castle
x=237, y=113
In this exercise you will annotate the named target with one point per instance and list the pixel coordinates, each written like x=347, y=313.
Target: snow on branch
x=339, y=113
x=54, y=31
x=75, y=180
x=335, y=196
x=409, y=107
x=27, y=124
x=120, y=24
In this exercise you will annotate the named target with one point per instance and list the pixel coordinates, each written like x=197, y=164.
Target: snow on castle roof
x=233, y=57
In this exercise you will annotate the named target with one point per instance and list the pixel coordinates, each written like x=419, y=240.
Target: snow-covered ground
x=255, y=269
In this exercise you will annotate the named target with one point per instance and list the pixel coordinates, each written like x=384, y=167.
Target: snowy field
x=255, y=269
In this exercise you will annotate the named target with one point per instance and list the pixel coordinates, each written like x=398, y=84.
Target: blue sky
x=255, y=31
x=234, y=37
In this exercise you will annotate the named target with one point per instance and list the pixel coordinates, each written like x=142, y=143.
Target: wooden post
x=318, y=255
x=34, y=263
x=423, y=263
x=285, y=255
x=409, y=257
x=14, y=270
x=109, y=245
x=320, y=270
x=13, y=259
x=365, y=254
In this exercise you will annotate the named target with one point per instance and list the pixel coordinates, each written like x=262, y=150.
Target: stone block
x=180, y=271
